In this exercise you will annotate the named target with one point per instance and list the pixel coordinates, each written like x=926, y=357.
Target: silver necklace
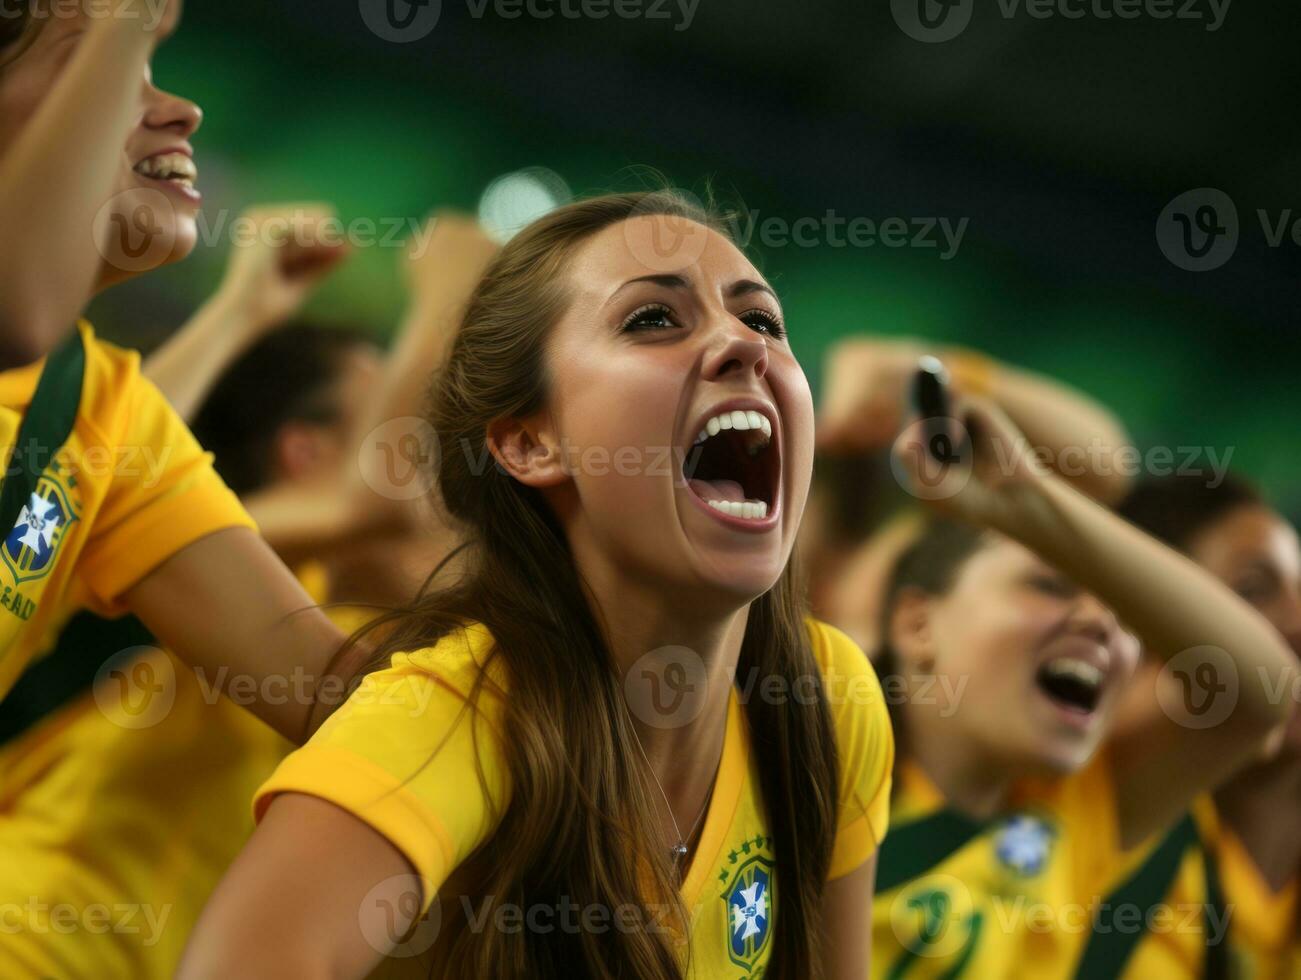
x=679, y=850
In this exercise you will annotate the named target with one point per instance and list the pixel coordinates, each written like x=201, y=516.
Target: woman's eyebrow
x=742, y=287
x=668, y=281
x=745, y=287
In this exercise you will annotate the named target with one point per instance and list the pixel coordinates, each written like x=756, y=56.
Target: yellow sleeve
x=403, y=755
x=162, y=493
x=866, y=744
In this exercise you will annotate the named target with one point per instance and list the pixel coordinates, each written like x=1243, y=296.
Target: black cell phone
x=931, y=400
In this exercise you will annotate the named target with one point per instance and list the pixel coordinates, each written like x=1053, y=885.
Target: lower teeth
x=752, y=509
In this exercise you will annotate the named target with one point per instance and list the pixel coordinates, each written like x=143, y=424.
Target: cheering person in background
x=153, y=815
x=500, y=757
x=851, y=539
x=1239, y=853
x=84, y=132
x=1008, y=660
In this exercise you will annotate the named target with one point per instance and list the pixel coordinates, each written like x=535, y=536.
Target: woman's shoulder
x=845, y=667
x=460, y=659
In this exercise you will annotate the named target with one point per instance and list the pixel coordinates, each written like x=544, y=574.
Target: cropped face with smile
x=683, y=418
x=1041, y=663
x=151, y=218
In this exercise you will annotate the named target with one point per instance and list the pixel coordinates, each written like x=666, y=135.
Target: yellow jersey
x=403, y=756
x=1008, y=897
x=120, y=807
x=1217, y=897
x=125, y=487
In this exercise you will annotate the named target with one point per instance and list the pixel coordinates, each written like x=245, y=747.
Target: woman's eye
x=1055, y=586
x=763, y=322
x=1255, y=589
x=650, y=318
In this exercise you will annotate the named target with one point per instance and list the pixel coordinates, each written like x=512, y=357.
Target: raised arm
x=270, y=274
x=1175, y=608
x=229, y=608
x=59, y=171
x=866, y=385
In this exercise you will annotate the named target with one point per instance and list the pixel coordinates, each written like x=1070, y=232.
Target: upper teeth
x=737, y=420
x=168, y=166
x=1085, y=673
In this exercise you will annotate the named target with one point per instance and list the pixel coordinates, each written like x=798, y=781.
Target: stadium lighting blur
x=513, y=200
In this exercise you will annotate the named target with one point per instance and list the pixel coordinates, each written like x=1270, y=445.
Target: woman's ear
x=528, y=450
x=910, y=632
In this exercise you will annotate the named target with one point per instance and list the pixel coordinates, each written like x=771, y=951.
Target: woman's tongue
x=728, y=490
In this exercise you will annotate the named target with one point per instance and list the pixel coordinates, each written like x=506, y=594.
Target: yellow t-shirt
x=1010, y=897
x=137, y=814
x=1259, y=923
x=401, y=755
x=128, y=489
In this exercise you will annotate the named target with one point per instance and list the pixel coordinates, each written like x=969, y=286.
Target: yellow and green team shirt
x=1217, y=895
x=401, y=756
x=128, y=489
x=121, y=810
x=1009, y=897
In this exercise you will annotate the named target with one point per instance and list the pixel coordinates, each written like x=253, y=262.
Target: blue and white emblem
x=749, y=908
x=31, y=545
x=1024, y=844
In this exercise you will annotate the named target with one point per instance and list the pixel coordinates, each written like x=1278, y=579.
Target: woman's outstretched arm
x=1176, y=608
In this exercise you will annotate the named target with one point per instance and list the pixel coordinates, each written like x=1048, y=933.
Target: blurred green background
x=1060, y=141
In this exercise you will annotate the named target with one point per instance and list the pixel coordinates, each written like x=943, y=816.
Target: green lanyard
x=45, y=428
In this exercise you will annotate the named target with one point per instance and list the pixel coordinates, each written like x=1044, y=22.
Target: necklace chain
x=680, y=849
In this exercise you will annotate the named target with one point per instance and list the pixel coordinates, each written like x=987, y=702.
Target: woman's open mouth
x=1074, y=686
x=174, y=170
x=733, y=467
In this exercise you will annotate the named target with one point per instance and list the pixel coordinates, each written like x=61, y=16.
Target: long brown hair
x=580, y=823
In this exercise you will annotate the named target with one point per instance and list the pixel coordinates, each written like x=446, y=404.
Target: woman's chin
x=125, y=259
